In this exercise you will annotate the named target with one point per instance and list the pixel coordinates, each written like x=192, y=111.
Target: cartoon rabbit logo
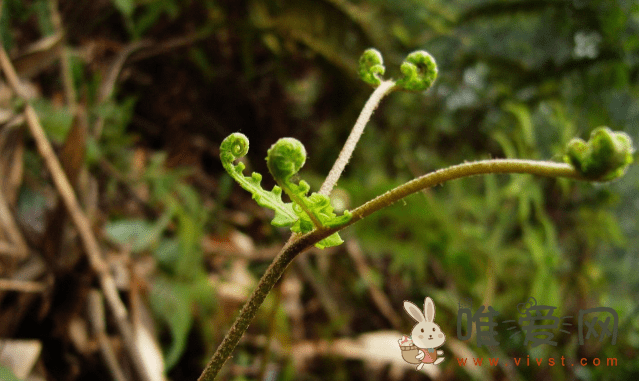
x=421, y=347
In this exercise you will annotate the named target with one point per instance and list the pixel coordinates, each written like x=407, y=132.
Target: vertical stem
x=380, y=92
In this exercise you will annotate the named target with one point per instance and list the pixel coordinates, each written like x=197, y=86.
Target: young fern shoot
x=285, y=158
x=236, y=146
x=420, y=72
x=604, y=157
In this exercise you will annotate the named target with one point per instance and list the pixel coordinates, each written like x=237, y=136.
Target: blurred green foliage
x=174, y=240
x=7, y=374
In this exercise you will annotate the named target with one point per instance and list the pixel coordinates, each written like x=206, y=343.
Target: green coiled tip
x=371, y=67
x=604, y=157
x=285, y=158
x=420, y=71
x=234, y=147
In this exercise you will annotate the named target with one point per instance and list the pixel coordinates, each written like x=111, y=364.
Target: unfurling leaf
x=236, y=146
x=285, y=158
x=420, y=71
x=371, y=67
x=604, y=157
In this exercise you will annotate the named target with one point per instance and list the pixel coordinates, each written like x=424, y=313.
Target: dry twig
x=81, y=222
x=21, y=286
x=96, y=315
x=19, y=246
x=10, y=250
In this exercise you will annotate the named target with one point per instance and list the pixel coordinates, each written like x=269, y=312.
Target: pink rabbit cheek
x=441, y=335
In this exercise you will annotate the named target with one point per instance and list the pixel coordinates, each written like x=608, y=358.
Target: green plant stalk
x=297, y=244
x=384, y=88
x=299, y=201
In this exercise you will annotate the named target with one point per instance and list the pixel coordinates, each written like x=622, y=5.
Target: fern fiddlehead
x=285, y=158
x=236, y=146
x=371, y=67
x=604, y=157
x=420, y=71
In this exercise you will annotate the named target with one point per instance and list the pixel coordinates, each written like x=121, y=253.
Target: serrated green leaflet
x=285, y=158
x=321, y=209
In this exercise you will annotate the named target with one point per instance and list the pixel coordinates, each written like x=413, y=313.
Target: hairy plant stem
x=380, y=92
x=297, y=244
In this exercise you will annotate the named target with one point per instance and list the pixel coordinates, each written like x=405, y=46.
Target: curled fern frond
x=371, y=67
x=322, y=211
x=604, y=157
x=420, y=71
x=285, y=158
x=234, y=147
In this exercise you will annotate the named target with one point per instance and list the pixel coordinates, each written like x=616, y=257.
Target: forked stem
x=297, y=245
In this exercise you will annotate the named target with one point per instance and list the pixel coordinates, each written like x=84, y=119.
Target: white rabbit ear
x=413, y=311
x=429, y=309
